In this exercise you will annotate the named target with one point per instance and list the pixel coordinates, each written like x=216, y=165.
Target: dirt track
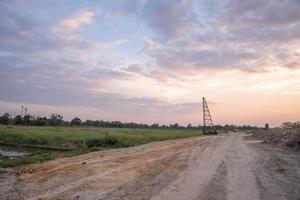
x=211, y=167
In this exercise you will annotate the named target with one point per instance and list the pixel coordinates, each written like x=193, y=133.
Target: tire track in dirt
x=216, y=188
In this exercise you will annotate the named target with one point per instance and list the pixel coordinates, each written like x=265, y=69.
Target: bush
x=106, y=141
x=4, y=119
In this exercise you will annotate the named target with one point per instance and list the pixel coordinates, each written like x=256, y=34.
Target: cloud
x=40, y=66
x=293, y=64
x=257, y=13
x=74, y=22
x=15, y=25
x=123, y=8
x=61, y=83
x=242, y=35
x=150, y=45
x=23, y=33
x=67, y=88
x=160, y=75
x=134, y=68
x=169, y=18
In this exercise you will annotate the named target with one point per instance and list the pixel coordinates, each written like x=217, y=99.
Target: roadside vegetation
x=69, y=141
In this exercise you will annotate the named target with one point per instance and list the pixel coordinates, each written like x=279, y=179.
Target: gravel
x=287, y=138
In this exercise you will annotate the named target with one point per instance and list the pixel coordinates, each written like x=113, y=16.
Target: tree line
x=57, y=120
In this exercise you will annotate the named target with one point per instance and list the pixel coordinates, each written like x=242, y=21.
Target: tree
x=267, y=126
x=155, y=125
x=4, y=119
x=40, y=121
x=27, y=120
x=116, y=124
x=174, y=125
x=55, y=120
x=76, y=122
x=88, y=123
x=189, y=126
x=164, y=126
x=18, y=120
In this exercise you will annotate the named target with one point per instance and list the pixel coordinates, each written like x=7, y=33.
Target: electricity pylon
x=207, y=121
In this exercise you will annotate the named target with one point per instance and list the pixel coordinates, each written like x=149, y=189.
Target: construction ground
x=231, y=166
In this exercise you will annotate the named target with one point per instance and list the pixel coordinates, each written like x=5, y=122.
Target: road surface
x=223, y=167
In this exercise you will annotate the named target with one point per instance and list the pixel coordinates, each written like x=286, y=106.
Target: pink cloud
x=160, y=75
x=73, y=23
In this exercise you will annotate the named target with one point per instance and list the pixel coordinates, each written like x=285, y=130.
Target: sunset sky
x=152, y=60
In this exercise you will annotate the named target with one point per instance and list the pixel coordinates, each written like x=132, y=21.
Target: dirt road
x=211, y=167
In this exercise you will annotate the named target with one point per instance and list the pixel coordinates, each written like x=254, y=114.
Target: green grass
x=80, y=140
x=69, y=137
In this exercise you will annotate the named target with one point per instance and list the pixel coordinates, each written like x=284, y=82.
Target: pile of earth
x=282, y=137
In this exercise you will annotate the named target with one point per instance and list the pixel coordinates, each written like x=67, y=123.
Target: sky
x=152, y=60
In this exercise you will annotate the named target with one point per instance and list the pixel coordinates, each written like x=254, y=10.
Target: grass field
x=80, y=140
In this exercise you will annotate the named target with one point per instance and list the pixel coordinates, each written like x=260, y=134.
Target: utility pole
x=207, y=120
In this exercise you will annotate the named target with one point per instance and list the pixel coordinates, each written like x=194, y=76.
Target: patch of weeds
x=106, y=141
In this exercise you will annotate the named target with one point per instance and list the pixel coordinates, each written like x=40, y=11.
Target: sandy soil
x=211, y=167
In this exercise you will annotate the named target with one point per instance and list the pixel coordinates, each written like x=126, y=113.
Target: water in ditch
x=13, y=152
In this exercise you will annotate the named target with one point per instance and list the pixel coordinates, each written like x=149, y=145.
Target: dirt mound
x=280, y=137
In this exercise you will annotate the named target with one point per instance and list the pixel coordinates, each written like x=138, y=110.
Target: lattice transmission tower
x=207, y=120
